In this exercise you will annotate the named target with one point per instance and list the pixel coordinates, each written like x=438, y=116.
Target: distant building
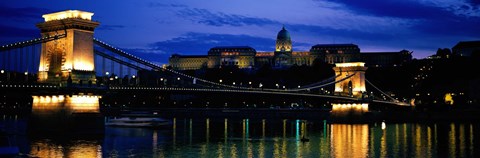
x=385, y=59
x=241, y=56
x=188, y=62
x=466, y=48
x=284, y=56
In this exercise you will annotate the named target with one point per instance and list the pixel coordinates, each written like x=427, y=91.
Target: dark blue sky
x=157, y=29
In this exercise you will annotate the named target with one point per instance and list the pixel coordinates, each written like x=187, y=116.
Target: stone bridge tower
x=353, y=86
x=69, y=57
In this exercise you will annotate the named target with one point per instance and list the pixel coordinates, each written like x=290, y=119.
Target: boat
x=304, y=139
x=137, y=122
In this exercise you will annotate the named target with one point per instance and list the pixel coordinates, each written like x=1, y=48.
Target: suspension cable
x=378, y=89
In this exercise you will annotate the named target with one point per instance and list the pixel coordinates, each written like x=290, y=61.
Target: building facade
x=284, y=56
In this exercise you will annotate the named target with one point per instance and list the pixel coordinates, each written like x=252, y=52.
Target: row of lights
x=191, y=77
x=169, y=69
x=216, y=90
x=116, y=77
x=29, y=86
x=3, y=71
x=121, y=51
x=26, y=42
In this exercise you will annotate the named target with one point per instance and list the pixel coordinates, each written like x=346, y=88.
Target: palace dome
x=283, y=43
x=283, y=34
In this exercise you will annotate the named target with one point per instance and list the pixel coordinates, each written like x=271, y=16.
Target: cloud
x=467, y=8
x=163, y=5
x=329, y=15
x=110, y=27
x=204, y=16
x=193, y=43
x=340, y=33
x=391, y=8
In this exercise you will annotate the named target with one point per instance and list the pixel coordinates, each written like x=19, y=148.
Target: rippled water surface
x=257, y=138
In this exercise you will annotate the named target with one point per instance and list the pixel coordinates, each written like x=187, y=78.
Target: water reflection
x=211, y=137
x=77, y=149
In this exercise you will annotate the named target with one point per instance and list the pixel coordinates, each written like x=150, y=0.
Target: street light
x=107, y=73
x=178, y=78
x=276, y=85
x=233, y=83
x=133, y=76
x=260, y=85
x=2, y=71
x=249, y=82
x=26, y=73
x=220, y=80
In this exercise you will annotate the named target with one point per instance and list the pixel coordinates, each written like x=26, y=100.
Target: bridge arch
x=353, y=86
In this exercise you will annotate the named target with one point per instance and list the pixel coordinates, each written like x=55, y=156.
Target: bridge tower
x=69, y=57
x=353, y=86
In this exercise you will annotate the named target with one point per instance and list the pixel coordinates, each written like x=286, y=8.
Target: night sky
x=157, y=29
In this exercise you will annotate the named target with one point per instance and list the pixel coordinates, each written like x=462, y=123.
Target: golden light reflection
x=452, y=144
x=207, y=129
x=77, y=150
x=263, y=128
x=461, y=138
x=225, y=130
x=233, y=151
x=383, y=142
x=418, y=142
x=471, y=140
x=429, y=140
x=174, y=130
x=220, y=150
x=155, y=142
x=349, y=140
x=276, y=148
x=74, y=103
x=68, y=14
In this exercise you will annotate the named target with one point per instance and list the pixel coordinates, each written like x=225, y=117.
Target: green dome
x=283, y=34
x=283, y=43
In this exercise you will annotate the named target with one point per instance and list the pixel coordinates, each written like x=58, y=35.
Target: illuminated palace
x=284, y=56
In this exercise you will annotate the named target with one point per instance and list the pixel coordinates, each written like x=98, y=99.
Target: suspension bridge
x=67, y=58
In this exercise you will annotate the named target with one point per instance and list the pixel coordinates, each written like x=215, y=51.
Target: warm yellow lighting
x=351, y=64
x=349, y=140
x=76, y=150
x=83, y=66
x=448, y=99
x=67, y=15
x=75, y=103
x=363, y=107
